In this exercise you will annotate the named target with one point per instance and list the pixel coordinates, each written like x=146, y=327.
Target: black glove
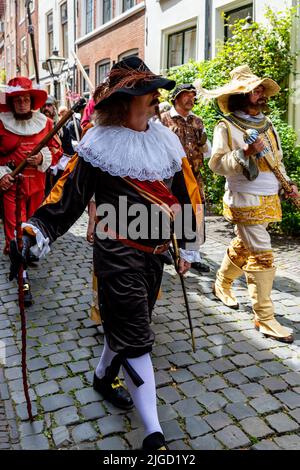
x=16, y=258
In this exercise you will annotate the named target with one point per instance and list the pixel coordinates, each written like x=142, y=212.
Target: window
x=235, y=15
x=102, y=70
x=84, y=86
x=23, y=46
x=50, y=33
x=131, y=53
x=64, y=29
x=126, y=4
x=22, y=10
x=23, y=58
x=181, y=47
x=107, y=10
x=89, y=13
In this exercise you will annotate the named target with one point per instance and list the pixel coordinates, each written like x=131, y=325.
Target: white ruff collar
x=154, y=154
x=30, y=126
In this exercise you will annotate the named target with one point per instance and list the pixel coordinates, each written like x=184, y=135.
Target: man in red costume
x=22, y=127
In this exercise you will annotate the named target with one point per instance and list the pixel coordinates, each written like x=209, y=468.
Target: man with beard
x=131, y=164
x=22, y=127
x=191, y=132
x=251, y=198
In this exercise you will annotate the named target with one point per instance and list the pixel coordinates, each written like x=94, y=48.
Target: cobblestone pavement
x=239, y=390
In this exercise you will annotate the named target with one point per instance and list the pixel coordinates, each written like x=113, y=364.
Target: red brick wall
x=124, y=36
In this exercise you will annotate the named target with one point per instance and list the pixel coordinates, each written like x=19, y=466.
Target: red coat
x=14, y=148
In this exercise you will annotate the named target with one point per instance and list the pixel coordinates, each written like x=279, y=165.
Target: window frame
x=64, y=23
x=85, y=91
x=126, y=9
x=49, y=32
x=86, y=31
x=99, y=64
x=230, y=12
x=181, y=31
x=104, y=21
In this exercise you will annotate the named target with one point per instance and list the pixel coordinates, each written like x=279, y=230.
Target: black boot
x=113, y=392
x=155, y=441
x=28, y=300
x=201, y=267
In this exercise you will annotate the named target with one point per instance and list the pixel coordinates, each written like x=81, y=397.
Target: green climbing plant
x=266, y=48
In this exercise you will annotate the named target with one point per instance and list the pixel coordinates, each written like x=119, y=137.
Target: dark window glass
x=84, y=86
x=106, y=11
x=128, y=4
x=64, y=28
x=88, y=16
x=181, y=47
x=50, y=33
x=233, y=16
x=102, y=70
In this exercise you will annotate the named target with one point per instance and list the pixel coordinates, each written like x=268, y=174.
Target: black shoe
x=32, y=260
x=28, y=300
x=201, y=267
x=155, y=441
x=115, y=393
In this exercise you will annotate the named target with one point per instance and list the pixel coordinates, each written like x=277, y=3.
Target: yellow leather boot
x=260, y=286
x=222, y=288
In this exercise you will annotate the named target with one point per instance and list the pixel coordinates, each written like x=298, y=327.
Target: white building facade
x=57, y=32
x=177, y=31
x=180, y=30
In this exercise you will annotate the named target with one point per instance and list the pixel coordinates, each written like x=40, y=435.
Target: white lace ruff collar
x=30, y=126
x=154, y=154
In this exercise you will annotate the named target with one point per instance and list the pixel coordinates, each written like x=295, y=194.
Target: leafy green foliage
x=266, y=48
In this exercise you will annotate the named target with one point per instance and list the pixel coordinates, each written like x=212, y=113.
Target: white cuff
x=41, y=248
x=4, y=170
x=191, y=256
x=47, y=159
x=61, y=165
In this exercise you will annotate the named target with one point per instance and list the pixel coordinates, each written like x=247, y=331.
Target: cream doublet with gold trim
x=247, y=202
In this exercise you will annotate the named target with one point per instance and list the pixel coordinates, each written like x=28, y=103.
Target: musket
x=175, y=255
x=47, y=137
x=31, y=34
x=85, y=75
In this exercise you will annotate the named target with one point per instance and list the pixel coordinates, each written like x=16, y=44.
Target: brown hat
x=130, y=76
x=243, y=81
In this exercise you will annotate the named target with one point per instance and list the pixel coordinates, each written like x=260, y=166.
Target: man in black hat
x=191, y=132
x=130, y=164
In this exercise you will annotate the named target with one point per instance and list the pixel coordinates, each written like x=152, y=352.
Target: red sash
x=157, y=193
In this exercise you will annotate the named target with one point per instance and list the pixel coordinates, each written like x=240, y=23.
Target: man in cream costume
x=251, y=198
x=125, y=156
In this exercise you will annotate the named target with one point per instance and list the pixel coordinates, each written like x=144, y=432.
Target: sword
x=175, y=255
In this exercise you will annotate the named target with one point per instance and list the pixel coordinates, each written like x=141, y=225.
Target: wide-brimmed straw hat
x=130, y=76
x=19, y=86
x=243, y=81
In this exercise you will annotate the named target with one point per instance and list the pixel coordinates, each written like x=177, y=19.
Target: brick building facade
x=110, y=38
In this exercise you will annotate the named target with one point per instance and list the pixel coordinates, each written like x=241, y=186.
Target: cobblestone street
x=238, y=391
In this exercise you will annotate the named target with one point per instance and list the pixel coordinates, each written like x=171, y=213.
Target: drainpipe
x=75, y=47
x=207, y=50
x=294, y=113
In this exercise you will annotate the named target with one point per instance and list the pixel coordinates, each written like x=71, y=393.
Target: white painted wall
x=167, y=16
x=164, y=17
x=44, y=8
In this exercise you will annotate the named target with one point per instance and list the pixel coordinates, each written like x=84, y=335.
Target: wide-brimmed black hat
x=130, y=76
x=180, y=89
